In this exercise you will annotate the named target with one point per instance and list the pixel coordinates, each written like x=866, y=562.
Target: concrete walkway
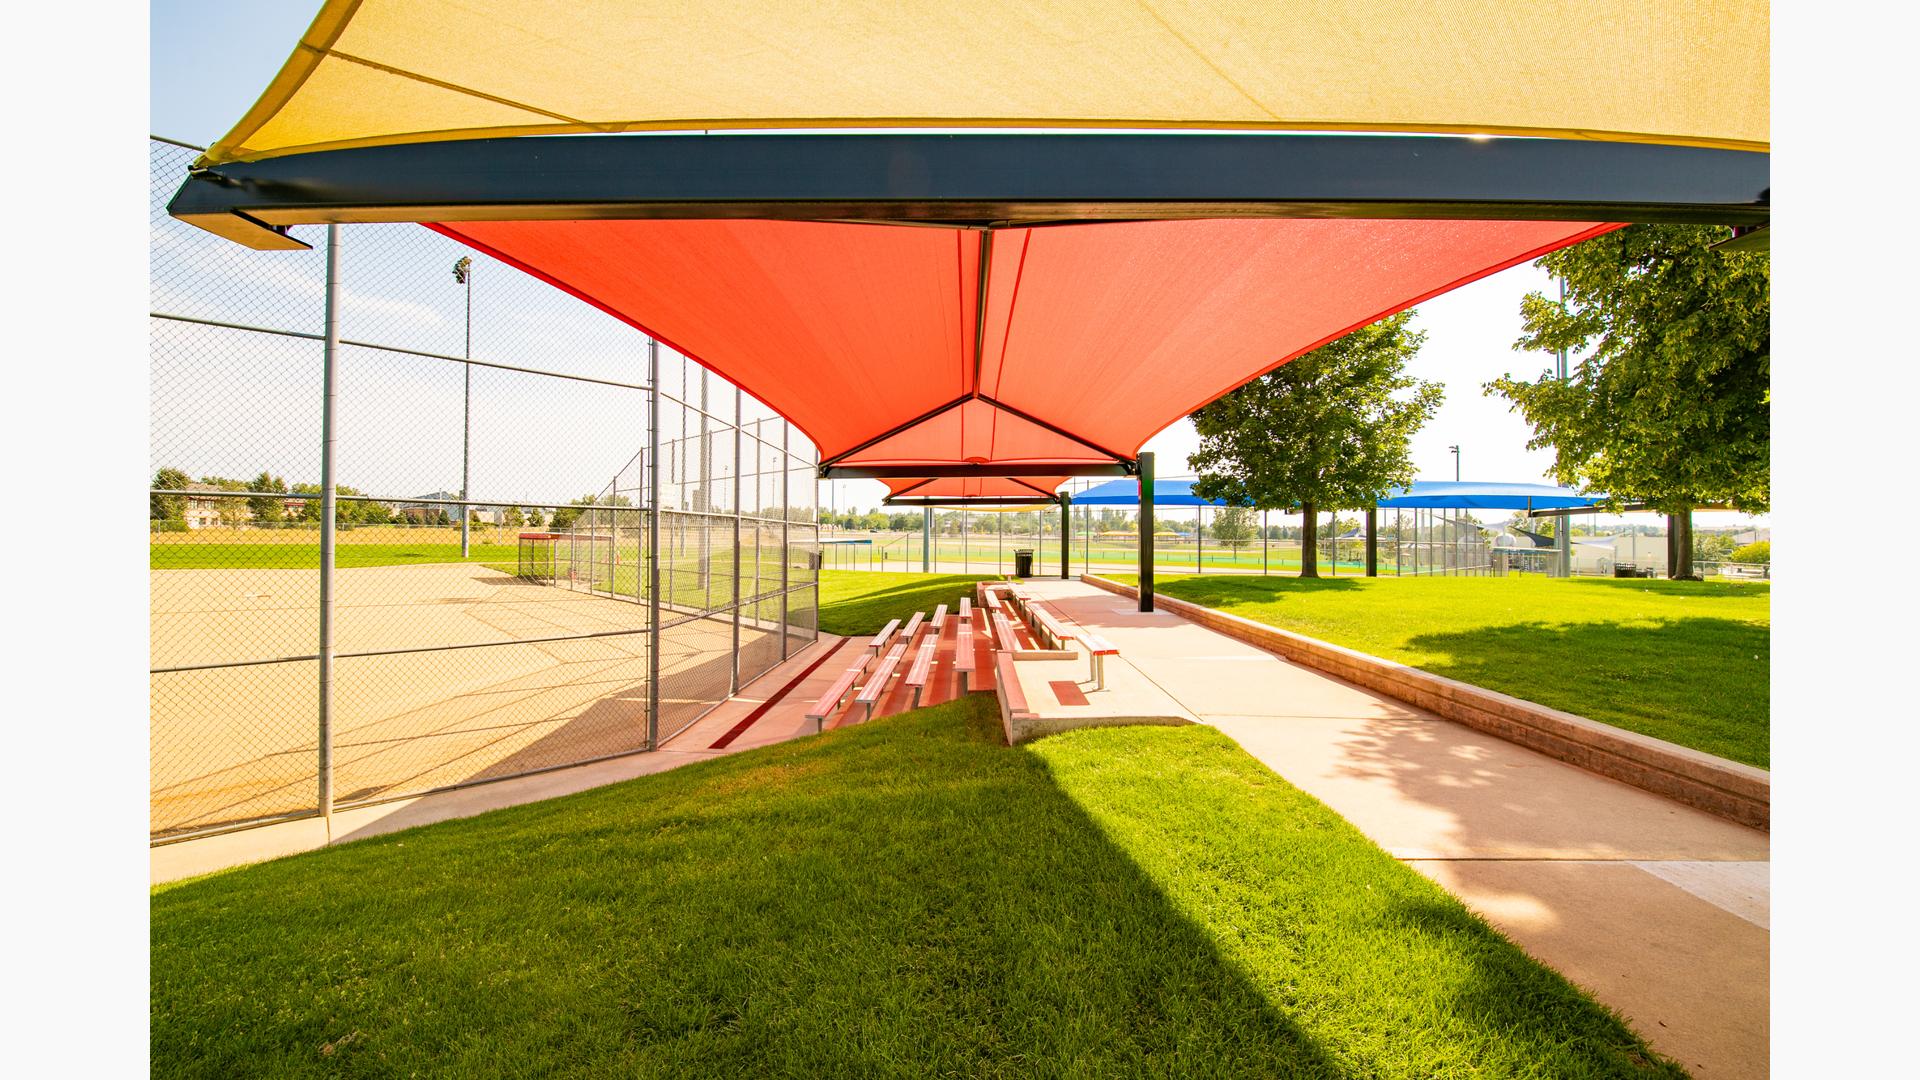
x=1658, y=910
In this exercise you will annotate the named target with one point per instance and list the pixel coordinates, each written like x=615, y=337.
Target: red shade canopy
x=875, y=341
x=973, y=488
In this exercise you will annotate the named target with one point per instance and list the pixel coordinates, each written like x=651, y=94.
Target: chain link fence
x=507, y=462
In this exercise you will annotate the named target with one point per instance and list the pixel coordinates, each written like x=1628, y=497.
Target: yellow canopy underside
x=370, y=72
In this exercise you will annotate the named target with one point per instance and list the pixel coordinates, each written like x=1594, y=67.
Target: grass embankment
x=858, y=602
x=1684, y=661
x=904, y=898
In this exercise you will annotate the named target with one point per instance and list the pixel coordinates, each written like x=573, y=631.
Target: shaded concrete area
x=784, y=720
x=1658, y=909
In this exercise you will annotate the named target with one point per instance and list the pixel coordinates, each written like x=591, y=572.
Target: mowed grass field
x=1683, y=661
x=904, y=898
x=856, y=602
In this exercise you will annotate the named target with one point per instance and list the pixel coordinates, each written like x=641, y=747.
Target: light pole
x=463, y=274
x=1456, y=461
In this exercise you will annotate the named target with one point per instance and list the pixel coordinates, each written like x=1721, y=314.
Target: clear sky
x=1470, y=331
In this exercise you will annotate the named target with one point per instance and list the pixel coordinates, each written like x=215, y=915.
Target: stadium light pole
x=463, y=275
x=1456, y=461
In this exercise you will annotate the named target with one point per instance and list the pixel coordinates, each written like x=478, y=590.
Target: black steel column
x=1066, y=533
x=1146, y=531
x=1373, y=541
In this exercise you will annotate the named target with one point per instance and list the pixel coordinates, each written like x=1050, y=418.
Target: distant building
x=204, y=511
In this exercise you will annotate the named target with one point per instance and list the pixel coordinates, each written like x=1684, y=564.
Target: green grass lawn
x=858, y=602
x=1684, y=661
x=286, y=556
x=905, y=898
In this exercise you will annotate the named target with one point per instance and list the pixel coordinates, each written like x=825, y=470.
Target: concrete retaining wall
x=1726, y=788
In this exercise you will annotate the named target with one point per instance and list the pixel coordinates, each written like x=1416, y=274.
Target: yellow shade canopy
x=372, y=72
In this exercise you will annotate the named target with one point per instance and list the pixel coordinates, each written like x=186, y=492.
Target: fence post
x=330, y=399
x=653, y=544
x=1066, y=533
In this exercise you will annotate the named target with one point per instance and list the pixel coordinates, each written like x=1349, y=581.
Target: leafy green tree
x=269, y=507
x=1330, y=428
x=1712, y=547
x=168, y=507
x=1668, y=404
x=1232, y=525
x=535, y=519
x=1757, y=552
x=440, y=517
x=512, y=518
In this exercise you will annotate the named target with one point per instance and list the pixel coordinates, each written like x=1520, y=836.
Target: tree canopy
x=1328, y=429
x=1668, y=402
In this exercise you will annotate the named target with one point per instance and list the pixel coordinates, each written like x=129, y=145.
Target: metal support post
x=738, y=468
x=1145, y=554
x=1066, y=533
x=1373, y=541
x=926, y=539
x=1263, y=541
x=786, y=520
x=329, y=402
x=653, y=545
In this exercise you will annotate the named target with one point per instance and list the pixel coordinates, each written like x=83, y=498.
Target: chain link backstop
x=552, y=541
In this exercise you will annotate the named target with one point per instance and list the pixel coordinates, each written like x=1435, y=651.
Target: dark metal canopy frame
x=983, y=181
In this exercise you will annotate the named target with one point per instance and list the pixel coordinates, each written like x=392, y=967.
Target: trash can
x=1023, y=563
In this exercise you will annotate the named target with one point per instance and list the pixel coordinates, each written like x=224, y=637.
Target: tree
x=168, y=507
x=271, y=506
x=1233, y=525
x=534, y=518
x=1668, y=405
x=1756, y=552
x=512, y=518
x=1330, y=428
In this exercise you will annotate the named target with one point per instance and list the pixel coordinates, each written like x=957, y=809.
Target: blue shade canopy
x=1479, y=495
x=1126, y=492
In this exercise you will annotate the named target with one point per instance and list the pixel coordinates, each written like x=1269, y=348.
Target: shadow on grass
x=1241, y=589
x=904, y=898
x=850, y=614
x=1717, y=590
x=1700, y=682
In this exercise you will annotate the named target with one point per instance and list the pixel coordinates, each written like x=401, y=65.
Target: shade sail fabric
x=1479, y=495
x=1127, y=493
x=368, y=72
x=975, y=488
x=874, y=341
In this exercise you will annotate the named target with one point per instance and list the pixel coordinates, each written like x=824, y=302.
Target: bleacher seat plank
x=879, y=642
x=1098, y=649
x=1050, y=627
x=922, y=668
x=963, y=655
x=877, y=682
x=912, y=628
x=939, y=620
x=829, y=702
